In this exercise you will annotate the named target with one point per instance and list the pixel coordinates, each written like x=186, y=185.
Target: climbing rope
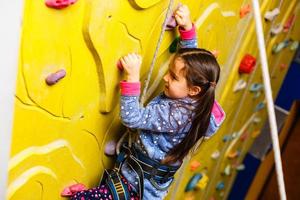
x=270, y=103
x=164, y=25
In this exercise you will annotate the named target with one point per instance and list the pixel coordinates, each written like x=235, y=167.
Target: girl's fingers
x=178, y=19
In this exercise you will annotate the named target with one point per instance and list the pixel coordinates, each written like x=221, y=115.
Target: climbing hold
x=256, y=120
x=283, y=66
x=227, y=138
x=55, y=77
x=294, y=46
x=270, y=15
x=259, y=107
x=110, y=148
x=254, y=134
x=240, y=84
x=240, y=167
x=244, y=136
x=245, y=10
x=289, y=23
x=173, y=46
x=193, y=182
x=227, y=170
x=215, y=155
x=278, y=47
x=73, y=189
x=276, y=29
x=257, y=94
x=171, y=23
x=215, y=53
x=59, y=4
x=220, y=185
x=256, y=87
x=119, y=65
x=234, y=134
x=247, y=64
x=221, y=194
x=233, y=154
x=203, y=182
x=194, y=165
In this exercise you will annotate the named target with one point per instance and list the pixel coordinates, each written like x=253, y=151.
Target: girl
x=173, y=122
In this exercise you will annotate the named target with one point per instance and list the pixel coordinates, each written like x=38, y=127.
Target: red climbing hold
x=288, y=24
x=59, y=4
x=55, y=77
x=119, y=65
x=247, y=64
x=245, y=10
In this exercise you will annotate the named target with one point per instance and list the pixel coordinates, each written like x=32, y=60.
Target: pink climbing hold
x=59, y=4
x=110, y=148
x=72, y=189
x=55, y=77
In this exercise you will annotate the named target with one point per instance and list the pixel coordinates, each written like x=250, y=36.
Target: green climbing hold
x=174, y=44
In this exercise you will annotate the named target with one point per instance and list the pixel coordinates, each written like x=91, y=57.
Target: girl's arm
x=187, y=29
x=156, y=116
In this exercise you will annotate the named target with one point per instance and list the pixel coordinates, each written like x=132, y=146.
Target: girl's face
x=175, y=82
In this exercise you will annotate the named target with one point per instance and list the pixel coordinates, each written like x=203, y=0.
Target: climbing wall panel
x=61, y=126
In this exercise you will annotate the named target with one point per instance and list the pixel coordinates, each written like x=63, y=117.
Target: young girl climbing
x=172, y=123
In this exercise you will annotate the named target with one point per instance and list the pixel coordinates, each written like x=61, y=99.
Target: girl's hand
x=132, y=65
x=182, y=17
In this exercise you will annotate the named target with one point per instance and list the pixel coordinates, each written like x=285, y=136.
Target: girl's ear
x=194, y=90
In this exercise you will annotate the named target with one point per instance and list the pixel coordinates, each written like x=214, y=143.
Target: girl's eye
x=174, y=78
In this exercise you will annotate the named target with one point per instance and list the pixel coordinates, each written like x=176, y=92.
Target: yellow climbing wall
x=60, y=131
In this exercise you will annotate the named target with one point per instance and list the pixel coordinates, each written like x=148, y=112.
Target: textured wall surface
x=60, y=131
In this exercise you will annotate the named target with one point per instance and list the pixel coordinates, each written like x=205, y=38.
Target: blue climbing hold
x=259, y=106
x=220, y=186
x=256, y=87
x=193, y=182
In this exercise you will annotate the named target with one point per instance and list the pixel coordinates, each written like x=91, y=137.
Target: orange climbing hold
x=215, y=53
x=245, y=10
x=194, y=165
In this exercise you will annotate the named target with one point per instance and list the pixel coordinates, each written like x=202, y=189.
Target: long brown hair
x=203, y=70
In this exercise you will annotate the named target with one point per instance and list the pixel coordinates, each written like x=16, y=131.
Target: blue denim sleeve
x=192, y=43
x=157, y=117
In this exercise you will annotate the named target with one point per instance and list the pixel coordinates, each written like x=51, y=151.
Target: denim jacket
x=162, y=124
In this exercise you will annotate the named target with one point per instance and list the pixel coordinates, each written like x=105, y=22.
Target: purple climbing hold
x=110, y=148
x=171, y=23
x=55, y=77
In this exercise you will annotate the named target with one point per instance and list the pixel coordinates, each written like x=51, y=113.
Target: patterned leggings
x=102, y=193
